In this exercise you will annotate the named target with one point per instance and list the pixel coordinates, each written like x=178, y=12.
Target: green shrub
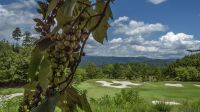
x=190, y=107
x=125, y=101
x=162, y=107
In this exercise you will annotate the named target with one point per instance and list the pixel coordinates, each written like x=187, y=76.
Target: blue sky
x=150, y=28
x=178, y=15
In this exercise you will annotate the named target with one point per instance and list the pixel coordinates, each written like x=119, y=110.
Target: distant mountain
x=101, y=60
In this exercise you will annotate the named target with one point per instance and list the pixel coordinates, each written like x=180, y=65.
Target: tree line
x=14, y=63
x=15, y=57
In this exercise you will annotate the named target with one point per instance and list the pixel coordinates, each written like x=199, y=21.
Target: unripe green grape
x=69, y=52
x=61, y=45
x=78, y=33
x=73, y=38
x=67, y=38
x=77, y=48
x=66, y=63
x=66, y=43
x=54, y=65
x=62, y=55
x=59, y=37
x=58, y=74
x=57, y=47
x=57, y=55
x=61, y=67
x=66, y=28
x=71, y=45
x=53, y=60
x=64, y=59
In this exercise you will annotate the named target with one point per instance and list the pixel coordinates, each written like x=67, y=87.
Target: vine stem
x=69, y=79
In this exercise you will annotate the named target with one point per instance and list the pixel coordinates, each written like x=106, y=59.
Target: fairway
x=148, y=90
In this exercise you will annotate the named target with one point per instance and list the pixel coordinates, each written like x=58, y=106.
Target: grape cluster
x=65, y=50
x=43, y=25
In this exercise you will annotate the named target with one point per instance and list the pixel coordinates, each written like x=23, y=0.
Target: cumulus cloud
x=16, y=14
x=156, y=2
x=169, y=45
x=132, y=27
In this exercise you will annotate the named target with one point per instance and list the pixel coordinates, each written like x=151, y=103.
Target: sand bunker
x=124, y=84
x=174, y=85
x=197, y=85
x=167, y=103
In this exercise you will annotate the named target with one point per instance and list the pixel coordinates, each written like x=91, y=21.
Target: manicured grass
x=148, y=90
x=7, y=91
x=10, y=105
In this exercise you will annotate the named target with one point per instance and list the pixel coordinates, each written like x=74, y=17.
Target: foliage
x=126, y=101
x=13, y=65
x=27, y=39
x=162, y=107
x=132, y=71
x=187, y=74
x=92, y=71
x=190, y=106
x=80, y=75
x=58, y=52
x=18, y=67
x=185, y=69
x=10, y=105
x=17, y=34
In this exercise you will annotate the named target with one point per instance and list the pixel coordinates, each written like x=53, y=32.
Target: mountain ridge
x=101, y=60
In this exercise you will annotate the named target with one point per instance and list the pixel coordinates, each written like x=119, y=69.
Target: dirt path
x=8, y=97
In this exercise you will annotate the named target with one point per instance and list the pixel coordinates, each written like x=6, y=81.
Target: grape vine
x=65, y=27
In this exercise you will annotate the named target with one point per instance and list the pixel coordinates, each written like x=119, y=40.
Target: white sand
x=197, y=85
x=167, y=103
x=8, y=97
x=174, y=85
x=124, y=84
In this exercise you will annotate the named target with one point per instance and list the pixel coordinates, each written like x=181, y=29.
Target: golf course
x=152, y=93
x=147, y=90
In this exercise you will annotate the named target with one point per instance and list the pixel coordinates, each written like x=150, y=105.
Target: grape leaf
x=44, y=74
x=48, y=105
x=79, y=99
x=100, y=33
x=44, y=43
x=69, y=7
x=61, y=18
x=51, y=6
x=36, y=58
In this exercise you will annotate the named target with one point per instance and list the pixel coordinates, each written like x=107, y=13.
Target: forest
x=14, y=63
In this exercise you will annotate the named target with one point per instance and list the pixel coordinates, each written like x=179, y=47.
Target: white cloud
x=16, y=14
x=120, y=19
x=136, y=27
x=169, y=45
x=156, y=2
x=117, y=40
